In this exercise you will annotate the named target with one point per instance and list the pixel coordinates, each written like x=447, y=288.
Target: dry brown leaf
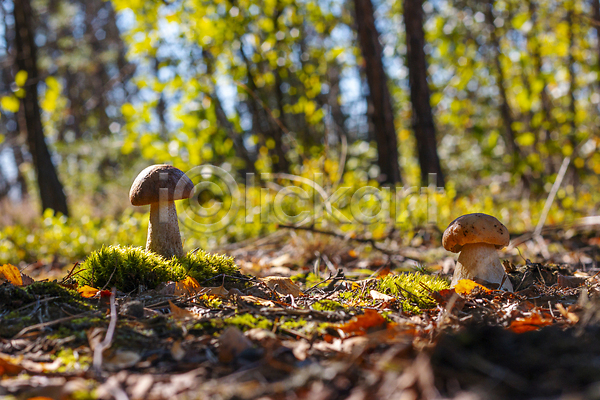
x=282, y=285
x=187, y=287
x=12, y=274
x=87, y=291
x=375, y=295
x=218, y=291
x=180, y=313
x=231, y=343
x=258, y=300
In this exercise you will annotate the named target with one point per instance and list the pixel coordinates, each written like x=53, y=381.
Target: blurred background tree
x=486, y=94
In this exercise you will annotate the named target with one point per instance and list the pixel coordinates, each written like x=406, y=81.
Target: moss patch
x=128, y=267
x=413, y=289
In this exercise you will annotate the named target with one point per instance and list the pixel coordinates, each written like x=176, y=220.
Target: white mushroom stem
x=480, y=260
x=163, y=230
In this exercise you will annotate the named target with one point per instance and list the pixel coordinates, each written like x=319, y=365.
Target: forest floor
x=345, y=326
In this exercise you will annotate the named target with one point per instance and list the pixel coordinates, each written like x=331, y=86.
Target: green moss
x=201, y=265
x=412, y=289
x=53, y=289
x=327, y=305
x=249, y=321
x=128, y=267
x=73, y=361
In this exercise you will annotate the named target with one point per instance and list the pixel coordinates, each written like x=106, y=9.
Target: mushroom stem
x=163, y=230
x=480, y=260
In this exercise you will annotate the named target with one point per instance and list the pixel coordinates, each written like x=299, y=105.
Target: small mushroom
x=476, y=237
x=159, y=186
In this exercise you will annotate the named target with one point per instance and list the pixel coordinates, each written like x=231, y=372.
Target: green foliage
x=128, y=267
x=413, y=288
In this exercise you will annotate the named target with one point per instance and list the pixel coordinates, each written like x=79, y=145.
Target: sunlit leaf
x=11, y=274
x=87, y=291
x=362, y=324
x=466, y=286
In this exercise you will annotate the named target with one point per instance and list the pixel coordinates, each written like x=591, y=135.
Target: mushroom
x=476, y=237
x=160, y=185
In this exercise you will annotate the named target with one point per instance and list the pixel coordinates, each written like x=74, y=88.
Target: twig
x=559, y=178
x=97, y=363
x=49, y=323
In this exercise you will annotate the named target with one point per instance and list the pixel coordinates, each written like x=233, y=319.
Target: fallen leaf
x=258, y=300
x=466, y=286
x=232, y=342
x=282, y=285
x=362, y=324
x=9, y=367
x=87, y=291
x=218, y=291
x=570, y=281
x=530, y=323
x=375, y=295
x=180, y=313
x=12, y=274
x=445, y=296
x=27, y=280
x=187, y=287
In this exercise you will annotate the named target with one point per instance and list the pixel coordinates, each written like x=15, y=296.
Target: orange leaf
x=188, y=287
x=531, y=323
x=466, y=286
x=8, y=368
x=180, y=313
x=87, y=291
x=362, y=324
x=11, y=274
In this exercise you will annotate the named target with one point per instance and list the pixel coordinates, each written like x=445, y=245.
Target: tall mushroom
x=160, y=185
x=476, y=237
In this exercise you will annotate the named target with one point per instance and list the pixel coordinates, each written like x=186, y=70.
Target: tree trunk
x=51, y=190
x=505, y=109
x=379, y=93
x=422, y=117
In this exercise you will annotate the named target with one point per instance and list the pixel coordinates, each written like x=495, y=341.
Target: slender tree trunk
x=572, y=83
x=422, y=117
x=51, y=190
x=379, y=93
x=596, y=19
x=505, y=109
x=278, y=159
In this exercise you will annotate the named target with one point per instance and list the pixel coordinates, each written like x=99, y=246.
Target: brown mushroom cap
x=475, y=228
x=146, y=186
